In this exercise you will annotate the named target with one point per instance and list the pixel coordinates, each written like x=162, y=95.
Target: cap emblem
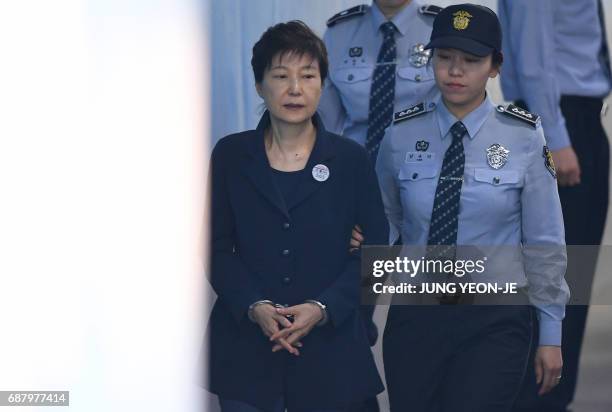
x=461, y=20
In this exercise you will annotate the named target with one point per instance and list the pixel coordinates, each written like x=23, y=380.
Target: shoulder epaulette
x=514, y=111
x=353, y=11
x=430, y=10
x=409, y=113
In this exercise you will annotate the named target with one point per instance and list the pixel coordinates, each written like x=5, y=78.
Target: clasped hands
x=286, y=334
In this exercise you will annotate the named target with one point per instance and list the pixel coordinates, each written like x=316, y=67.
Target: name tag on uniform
x=416, y=157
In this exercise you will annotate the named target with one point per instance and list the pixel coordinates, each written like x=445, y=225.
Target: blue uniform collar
x=402, y=20
x=473, y=121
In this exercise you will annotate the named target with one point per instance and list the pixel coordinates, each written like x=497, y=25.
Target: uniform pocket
x=351, y=75
x=354, y=85
x=492, y=197
x=417, y=186
x=415, y=74
x=496, y=177
x=416, y=172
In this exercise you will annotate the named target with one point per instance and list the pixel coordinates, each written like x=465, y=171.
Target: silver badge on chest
x=418, y=55
x=497, y=156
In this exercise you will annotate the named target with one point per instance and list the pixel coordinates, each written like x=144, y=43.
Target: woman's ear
x=496, y=63
x=495, y=67
x=495, y=70
x=258, y=89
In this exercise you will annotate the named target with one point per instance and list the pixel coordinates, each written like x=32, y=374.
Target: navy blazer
x=263, y=248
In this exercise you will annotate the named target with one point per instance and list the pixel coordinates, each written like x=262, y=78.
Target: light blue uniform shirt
x=515, y=205
x=346, y=96
x=551, y=48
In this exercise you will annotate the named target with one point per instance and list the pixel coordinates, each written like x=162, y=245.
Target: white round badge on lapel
x=320, y=173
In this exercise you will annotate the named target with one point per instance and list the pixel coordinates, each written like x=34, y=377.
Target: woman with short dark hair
x=286, y=331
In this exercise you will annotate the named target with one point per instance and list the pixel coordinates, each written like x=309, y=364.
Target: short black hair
x=291, y=37
x=497, y=59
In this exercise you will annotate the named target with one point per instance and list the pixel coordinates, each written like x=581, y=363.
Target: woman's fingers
x=294, y=338
x=277, y=346
x=549, y=363
x=551, y=379
x=284, y=344
x=548, y=382
x=539, y=372
x=284, y=333
x=290, y=311
x=283, y=321
x=356, y=237
x=269, y=327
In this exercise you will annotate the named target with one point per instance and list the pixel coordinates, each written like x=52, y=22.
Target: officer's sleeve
x=543, y=238
x=343, y=296
x=330, y=108
x=229, y=276
x=386, y=171
x=531, y=34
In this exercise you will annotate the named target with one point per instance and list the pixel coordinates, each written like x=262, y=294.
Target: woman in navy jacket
x=286, y=331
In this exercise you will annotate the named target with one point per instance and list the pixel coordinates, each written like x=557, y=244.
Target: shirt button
x=415, y=175
x=286, y=280
x=417, y=78
x=286, y=252
x=350, y=77
x=286, y=225
x=496, y=180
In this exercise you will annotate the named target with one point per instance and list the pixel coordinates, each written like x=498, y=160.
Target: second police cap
x=467, y=27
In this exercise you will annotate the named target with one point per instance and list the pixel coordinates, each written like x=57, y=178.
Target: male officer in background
x=557, y=65
x=377, y=63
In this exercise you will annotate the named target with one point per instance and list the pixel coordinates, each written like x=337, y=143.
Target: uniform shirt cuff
x=550, y=330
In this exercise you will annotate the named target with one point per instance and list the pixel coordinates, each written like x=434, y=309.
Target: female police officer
x=459, y=171
x=285, y=331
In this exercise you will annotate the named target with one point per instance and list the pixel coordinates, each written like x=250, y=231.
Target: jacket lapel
x=257, y=166
x=257, y=169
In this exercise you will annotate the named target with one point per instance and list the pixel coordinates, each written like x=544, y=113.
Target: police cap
x=468, y=27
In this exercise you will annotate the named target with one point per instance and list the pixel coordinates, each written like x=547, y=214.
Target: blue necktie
x=442, y=240
x=444, y=216
x=382, y=92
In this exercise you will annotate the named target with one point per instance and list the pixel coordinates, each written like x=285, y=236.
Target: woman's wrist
x=323, y=308
x=256, y=304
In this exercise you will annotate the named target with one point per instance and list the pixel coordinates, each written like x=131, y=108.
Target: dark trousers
x=585, y=207
x=367, y=313
x=456, y=358
x=228, y=405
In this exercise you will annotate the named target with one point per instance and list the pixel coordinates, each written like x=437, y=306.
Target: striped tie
x=444, y=216
x=442, y=238
x=382, y=92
